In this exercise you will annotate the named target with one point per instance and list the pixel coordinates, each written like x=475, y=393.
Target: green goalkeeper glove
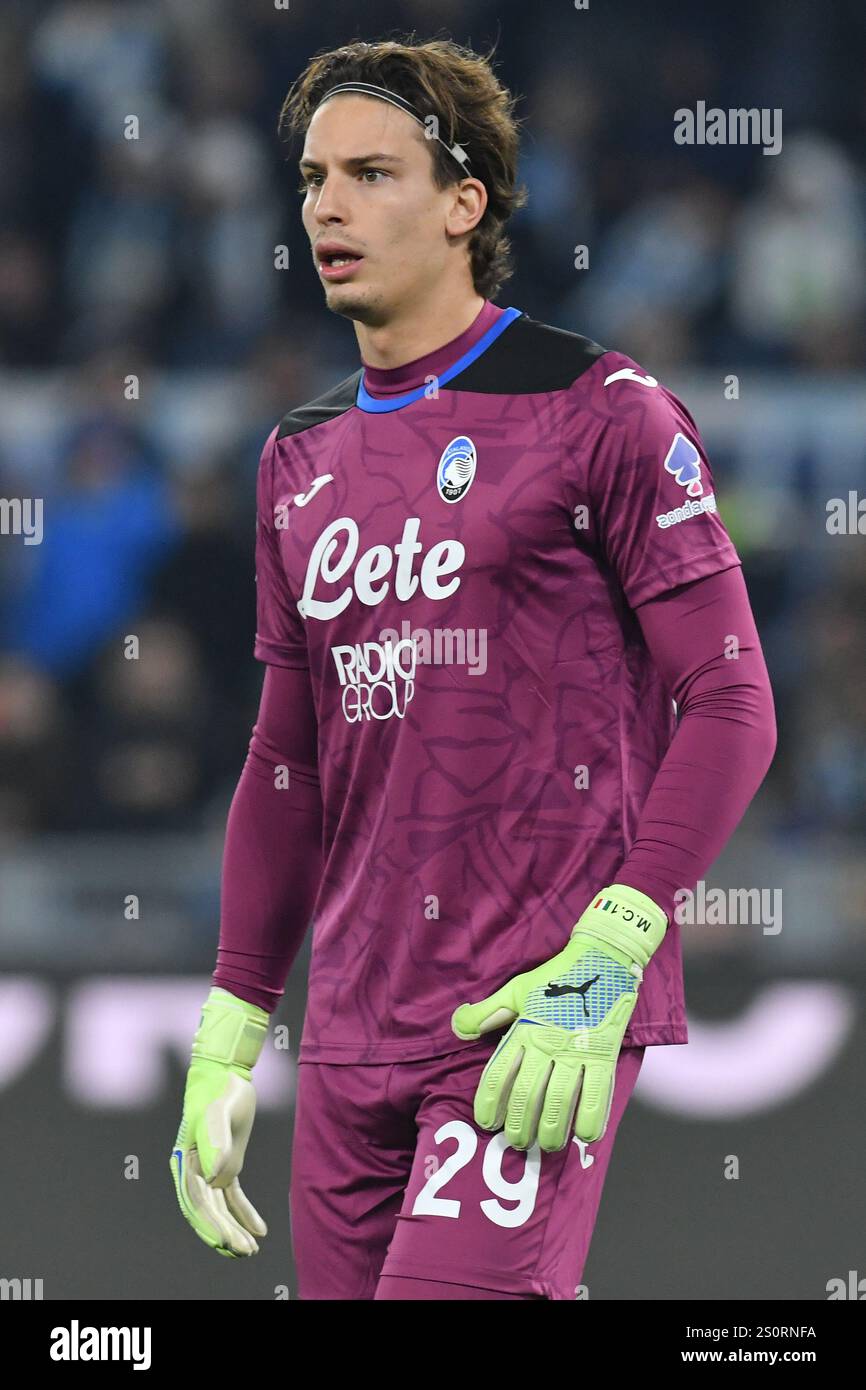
x=219, y=1104
x=568, y=1017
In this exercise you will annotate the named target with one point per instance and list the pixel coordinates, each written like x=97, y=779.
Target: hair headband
x=455, y=150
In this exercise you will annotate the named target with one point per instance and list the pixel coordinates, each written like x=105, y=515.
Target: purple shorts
x=391, y=1175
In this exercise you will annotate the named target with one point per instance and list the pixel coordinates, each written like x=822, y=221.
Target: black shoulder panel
x=335, y=402
x=528, y=356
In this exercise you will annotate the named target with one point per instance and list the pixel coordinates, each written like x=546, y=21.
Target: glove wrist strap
x=625, y=919
x=231, y=1031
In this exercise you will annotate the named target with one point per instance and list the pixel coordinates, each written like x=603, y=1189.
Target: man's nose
x=332, y=201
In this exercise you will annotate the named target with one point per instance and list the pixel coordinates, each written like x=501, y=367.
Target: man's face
x=368, y=172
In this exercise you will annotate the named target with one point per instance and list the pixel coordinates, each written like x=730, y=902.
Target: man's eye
x=312, y=180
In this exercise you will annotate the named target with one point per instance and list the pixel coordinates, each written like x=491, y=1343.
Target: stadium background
x=154, y=258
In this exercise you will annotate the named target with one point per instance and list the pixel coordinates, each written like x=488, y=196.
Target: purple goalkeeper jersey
x=454, y=550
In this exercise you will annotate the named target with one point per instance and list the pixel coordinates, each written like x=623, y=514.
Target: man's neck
x=415, y=335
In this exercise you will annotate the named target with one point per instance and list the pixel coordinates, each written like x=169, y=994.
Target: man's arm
x=272, y=866
x=272, y=862
x=271, y=873
x=703, y=641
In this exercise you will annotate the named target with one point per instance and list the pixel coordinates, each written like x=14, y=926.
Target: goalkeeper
x=489, y=845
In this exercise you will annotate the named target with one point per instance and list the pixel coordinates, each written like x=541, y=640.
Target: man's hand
x=556, y=1065
x=219, y=1105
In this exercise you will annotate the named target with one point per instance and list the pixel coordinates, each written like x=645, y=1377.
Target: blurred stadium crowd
x=154, y=258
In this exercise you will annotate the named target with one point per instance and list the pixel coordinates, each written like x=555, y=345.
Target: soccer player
x=514, y=700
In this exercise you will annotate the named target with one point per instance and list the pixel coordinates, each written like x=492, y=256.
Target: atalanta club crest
x=456, y=469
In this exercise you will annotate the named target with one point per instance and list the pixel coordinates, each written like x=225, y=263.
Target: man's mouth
x=335, y=265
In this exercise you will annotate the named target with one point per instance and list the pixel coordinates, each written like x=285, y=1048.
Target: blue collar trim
x=376, y=406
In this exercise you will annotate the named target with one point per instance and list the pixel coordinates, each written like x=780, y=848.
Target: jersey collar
x=376, y=406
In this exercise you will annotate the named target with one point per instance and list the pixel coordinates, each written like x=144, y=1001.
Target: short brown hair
x=457, y=85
